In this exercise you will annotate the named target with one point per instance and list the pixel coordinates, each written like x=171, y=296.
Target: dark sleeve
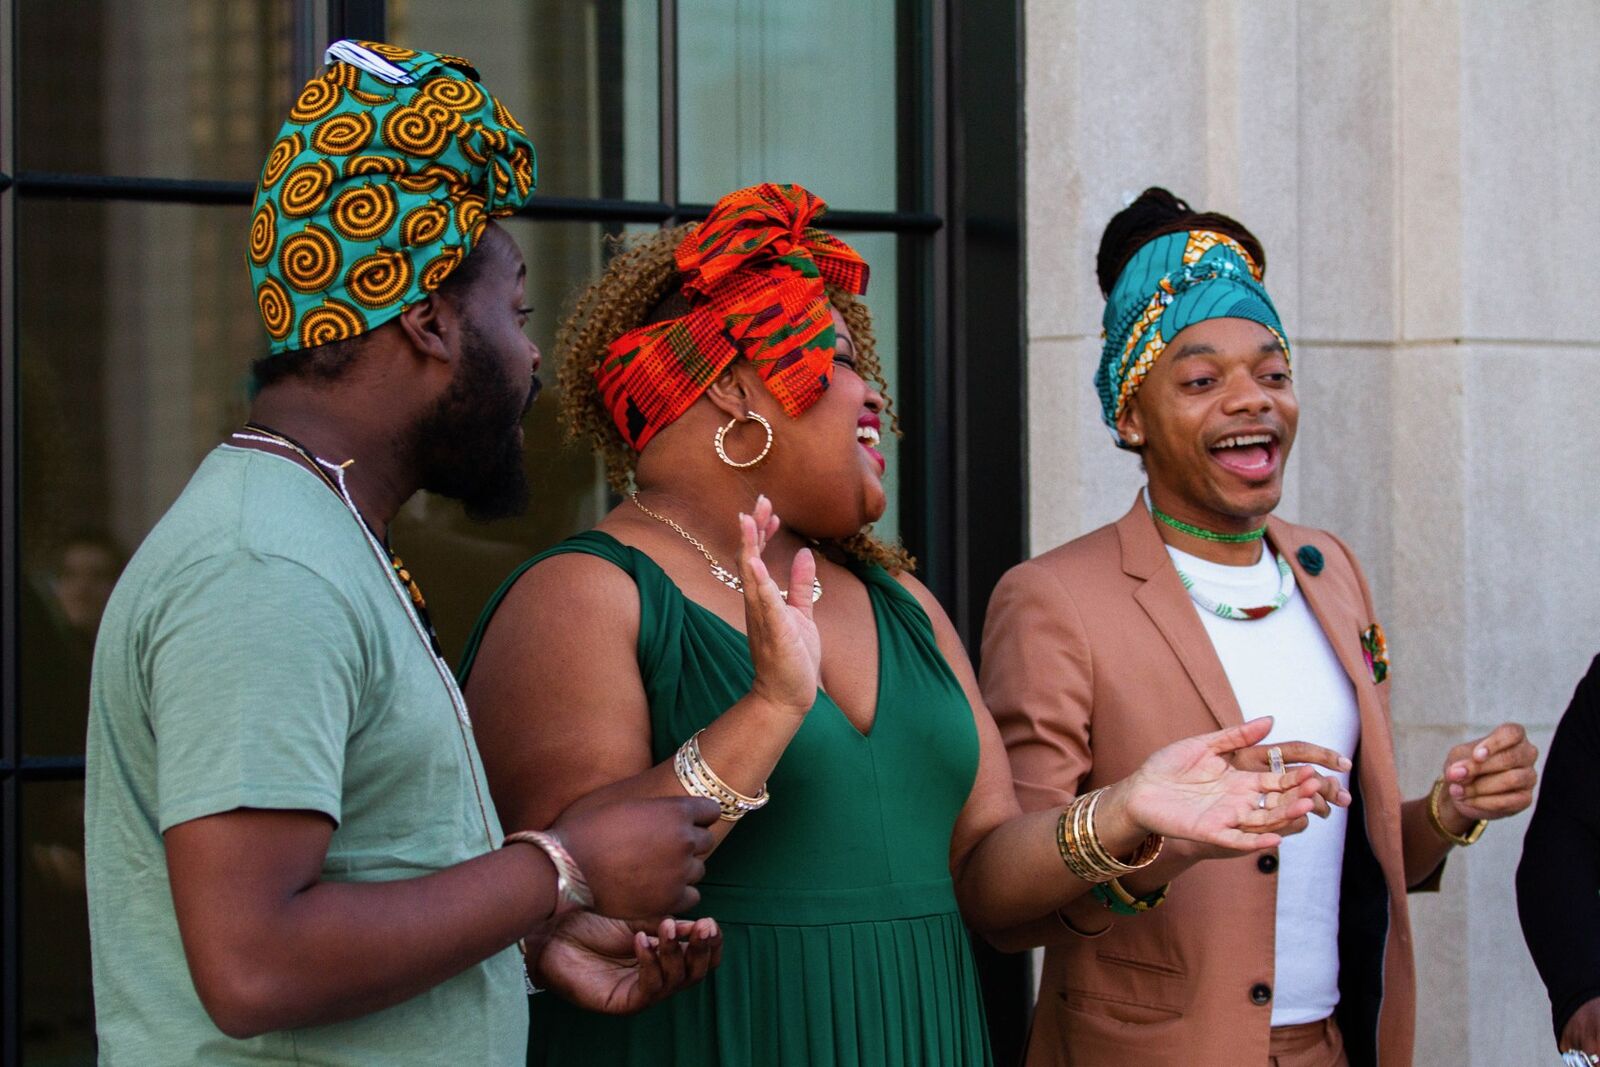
x=1558, y=880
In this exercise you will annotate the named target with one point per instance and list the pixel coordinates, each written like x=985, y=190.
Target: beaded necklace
x=1204, y=534
x=410, y=594
x=1286, y=583
x=1286, y=588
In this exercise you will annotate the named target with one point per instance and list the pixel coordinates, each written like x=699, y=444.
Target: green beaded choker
x=1204, y=535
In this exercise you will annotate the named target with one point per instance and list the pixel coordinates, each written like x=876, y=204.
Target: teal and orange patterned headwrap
x=378, y=186
x=1172, y=282
x=756, y=274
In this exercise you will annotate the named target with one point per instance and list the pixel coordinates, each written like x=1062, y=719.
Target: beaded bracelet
x=699, y=780
x=1116, y=897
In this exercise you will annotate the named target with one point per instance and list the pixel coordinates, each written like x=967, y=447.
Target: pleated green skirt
x=895, y=993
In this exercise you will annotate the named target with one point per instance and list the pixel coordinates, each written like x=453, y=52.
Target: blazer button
x=1267, y=863
x=1260, y=993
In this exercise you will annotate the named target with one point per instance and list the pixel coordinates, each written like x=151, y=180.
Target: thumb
x=1242, y=736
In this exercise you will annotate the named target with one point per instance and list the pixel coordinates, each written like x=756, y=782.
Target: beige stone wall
x=1423, y=174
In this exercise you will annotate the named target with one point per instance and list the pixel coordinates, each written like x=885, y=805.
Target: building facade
x=1417, y=170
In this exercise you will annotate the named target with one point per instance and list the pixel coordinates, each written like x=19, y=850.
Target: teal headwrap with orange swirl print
x=377, y=188
x=1170, y=283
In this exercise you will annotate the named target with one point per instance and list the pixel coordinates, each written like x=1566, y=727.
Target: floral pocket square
x=1375, y=648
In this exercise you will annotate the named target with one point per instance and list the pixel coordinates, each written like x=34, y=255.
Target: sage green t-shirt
x=255, y=654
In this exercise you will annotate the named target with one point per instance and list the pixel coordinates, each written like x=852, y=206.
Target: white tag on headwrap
x=348, y=51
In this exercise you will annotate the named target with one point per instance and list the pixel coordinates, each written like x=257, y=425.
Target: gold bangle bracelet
x=1067, y=845
x=1443, y=831
x=699, y=780
x=1149, y=849
x=1085, y=855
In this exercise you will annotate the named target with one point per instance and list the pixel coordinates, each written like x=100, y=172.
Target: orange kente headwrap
x=755, y=273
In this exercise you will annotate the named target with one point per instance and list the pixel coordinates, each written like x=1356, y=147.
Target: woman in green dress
x=726, y=373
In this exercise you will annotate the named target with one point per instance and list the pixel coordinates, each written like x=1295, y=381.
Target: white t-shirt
x=1282, y=665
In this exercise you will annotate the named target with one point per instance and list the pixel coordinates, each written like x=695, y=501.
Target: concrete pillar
x=1420, y=173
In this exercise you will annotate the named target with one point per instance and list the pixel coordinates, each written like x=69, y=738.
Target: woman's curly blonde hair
x=643, y=273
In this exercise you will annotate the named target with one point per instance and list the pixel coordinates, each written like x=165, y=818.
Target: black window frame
x=960, y=378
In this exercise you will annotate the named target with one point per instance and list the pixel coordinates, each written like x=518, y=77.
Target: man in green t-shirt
x=292, y=854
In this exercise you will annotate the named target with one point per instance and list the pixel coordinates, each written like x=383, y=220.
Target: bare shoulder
x=570, y=594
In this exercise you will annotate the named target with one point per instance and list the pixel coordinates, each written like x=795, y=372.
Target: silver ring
x=1275, y=757
x=1261, y=801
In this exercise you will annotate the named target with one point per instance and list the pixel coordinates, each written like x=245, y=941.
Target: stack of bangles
x=699, y=780
x=1089, y=861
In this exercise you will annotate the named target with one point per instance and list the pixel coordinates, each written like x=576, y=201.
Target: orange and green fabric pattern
x=756, y=273
x=379, y=185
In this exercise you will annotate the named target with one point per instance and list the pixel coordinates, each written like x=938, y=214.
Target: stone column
x=1421, y=176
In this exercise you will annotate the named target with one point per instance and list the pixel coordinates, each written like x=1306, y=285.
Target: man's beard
x=468, y=448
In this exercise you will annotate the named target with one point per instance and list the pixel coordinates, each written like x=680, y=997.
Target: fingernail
x=1458, y=791
x=1344, y=763
x=1480, y=752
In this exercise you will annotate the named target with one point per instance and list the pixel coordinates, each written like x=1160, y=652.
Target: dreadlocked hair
x=640, y=287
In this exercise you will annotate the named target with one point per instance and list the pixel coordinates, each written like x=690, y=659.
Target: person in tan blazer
x=1174, y=620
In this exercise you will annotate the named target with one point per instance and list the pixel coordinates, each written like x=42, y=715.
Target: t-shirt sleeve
x=255, y=668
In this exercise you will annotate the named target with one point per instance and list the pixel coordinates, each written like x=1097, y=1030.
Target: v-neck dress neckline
x=842, y=940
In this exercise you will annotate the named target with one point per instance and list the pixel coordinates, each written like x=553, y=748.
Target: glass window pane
x=57, y=1014
x=159, y=88
x=137, y=331
x=582, y=77
x=742, y=67
x=460, y=562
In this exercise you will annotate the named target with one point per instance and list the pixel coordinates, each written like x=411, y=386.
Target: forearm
x=742, y=745
x=1015, y=873
x=339, y=950
x=1423, y=848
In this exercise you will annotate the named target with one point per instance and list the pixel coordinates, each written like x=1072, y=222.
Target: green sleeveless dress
x=842, y=943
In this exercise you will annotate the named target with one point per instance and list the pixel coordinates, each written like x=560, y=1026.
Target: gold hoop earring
x=723, y=432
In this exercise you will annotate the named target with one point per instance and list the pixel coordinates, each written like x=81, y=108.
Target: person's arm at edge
x=1558, y=878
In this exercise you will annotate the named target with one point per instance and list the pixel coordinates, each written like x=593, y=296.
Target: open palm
x=1190, y=790
x=606, y=965
x=785, y=648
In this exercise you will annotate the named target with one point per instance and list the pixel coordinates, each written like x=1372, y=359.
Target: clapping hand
x=1193, y=790
x=610, y=966
x=784, y=645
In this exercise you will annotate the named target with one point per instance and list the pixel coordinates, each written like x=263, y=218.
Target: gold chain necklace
x=718, y=571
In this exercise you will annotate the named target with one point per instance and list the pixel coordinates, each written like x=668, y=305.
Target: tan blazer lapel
x=1166, y=601
x=1342, y=630
x=1342, y=621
